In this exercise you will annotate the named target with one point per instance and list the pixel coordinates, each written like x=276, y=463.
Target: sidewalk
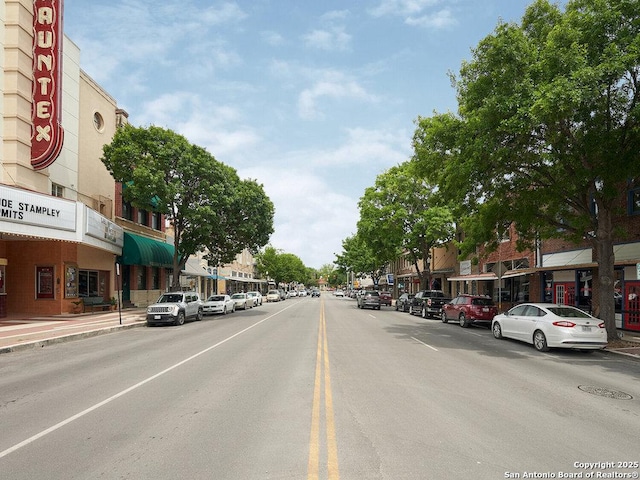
x=23, y=331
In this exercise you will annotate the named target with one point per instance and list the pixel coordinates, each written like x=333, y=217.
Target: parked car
x=242, y=300
x=468, y=309
x=339, y=293
x=273, y=296
x=292, y=293
x=175, y=308
x=257, y=298
x=218, y=304
x=315, y=292
x=385, y=298
x=302, y=293
x=547, y=325
x=403, y=302
x=428, y=303
x=369, y=299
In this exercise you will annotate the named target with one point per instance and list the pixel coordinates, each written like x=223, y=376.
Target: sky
x=313, y=99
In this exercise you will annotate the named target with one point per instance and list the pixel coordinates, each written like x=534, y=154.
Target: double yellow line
x=322, y=363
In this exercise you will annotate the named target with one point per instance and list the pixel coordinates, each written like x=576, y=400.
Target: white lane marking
x=425, y=344
x=61, y=424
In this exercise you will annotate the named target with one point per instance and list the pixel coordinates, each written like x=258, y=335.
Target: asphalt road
x=315, y=388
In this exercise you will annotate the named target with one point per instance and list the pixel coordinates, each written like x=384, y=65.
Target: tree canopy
x=401, y=215
x=209, y=206
x=280, y=266
x=547, y=133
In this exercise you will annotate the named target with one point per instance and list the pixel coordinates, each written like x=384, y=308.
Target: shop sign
x=24, y=207
x=46, y=112
x=103, y=229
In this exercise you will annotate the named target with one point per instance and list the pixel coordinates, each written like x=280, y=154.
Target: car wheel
x=180, y=319
x=463, y=321
x=397, y=308
x=540, y=341
x=444, y=317
x=497, y=330
x=378, y=307
x=199, y=316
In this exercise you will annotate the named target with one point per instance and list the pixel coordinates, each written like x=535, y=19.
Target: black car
x=315, y=292
x=403, y=302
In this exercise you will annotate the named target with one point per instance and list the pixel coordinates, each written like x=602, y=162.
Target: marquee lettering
x=47, y=133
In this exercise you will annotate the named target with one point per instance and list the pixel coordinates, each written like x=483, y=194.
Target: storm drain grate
x=605, y=392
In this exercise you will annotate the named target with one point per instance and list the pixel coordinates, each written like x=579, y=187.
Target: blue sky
x=313, y=99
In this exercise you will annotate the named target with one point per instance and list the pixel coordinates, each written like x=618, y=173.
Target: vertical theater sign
x=47, y=133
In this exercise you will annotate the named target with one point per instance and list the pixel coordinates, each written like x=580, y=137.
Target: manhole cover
x=605, y=392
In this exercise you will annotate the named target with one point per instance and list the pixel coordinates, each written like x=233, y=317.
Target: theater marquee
x=47, y=133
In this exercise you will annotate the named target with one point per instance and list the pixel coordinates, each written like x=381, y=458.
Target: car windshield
x=568, y=312
x=170, y=298
x=216, y=298
x=238, y=295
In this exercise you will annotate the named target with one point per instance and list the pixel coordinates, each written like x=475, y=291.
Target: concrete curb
x=69, y=337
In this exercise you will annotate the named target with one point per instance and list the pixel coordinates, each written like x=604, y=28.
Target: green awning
x=139, y=250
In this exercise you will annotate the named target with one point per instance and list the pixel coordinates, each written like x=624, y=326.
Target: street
x=315, y=388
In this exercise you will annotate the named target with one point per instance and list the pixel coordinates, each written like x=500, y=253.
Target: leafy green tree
x=401, y=215
x=547, y=135
x=281, y=267
x=358, y=257
x=205, y=201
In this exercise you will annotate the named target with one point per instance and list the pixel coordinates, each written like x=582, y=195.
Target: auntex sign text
x=47, y=134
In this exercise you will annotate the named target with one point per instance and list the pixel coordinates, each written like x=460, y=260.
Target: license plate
x=157, y=317
x=485, y=309
x=586, y=329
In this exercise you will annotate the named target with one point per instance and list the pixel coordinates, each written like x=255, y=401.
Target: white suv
x=175, y=308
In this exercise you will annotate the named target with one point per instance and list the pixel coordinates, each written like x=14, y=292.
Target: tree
x=205, y=201
x=401, y=215
x=547, y=135
x=281, y=267
x=358, y=257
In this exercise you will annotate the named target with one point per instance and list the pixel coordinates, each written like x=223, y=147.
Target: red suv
x=468, y=309
x=385, y=298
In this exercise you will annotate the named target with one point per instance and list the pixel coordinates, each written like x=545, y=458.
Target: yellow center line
x=313, y=468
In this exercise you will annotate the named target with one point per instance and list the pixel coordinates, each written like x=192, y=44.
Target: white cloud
x=310, y=217
x=333, y=85
x=330, y=39
x=438, y=20
x=272, y=38
x=401, y=7
x=416, y=13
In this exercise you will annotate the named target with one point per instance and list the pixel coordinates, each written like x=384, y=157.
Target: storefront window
x=585, y=292
x=88, y=283
x=155, y=278
x=142, y=278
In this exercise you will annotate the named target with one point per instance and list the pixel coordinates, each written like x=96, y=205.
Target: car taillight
x=601, y=325
x=564, y=323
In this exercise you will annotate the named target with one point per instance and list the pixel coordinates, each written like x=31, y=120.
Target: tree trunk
x=606, y=272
